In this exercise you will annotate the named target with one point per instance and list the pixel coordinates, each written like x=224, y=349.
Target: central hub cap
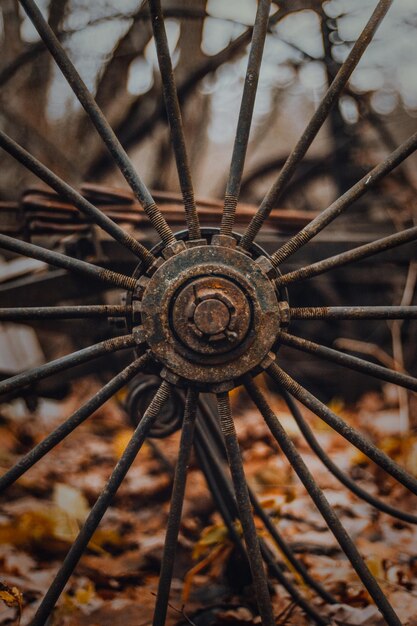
x=211, y=315
x=208, y=314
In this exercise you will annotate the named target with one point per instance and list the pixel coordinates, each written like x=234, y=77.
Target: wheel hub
x=209, y=314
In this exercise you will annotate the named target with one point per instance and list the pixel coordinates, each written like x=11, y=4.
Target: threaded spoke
x=321, y=502
x=214, y=450
x=102, y=504
x=329, y=100
x=346, y=360
x=98, y=119
x=174, y=117
x=343, y=478
x=177, y=500
x=66, y=362
x=245, y=514
x=340, y=205
x=340, y=426
x=67, y=192
x=62, y=431
x=245, y=117
x=350, y=256
x=354, y=313
x=61, y=260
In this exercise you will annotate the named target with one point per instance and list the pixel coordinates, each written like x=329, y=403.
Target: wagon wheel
x=207, y=312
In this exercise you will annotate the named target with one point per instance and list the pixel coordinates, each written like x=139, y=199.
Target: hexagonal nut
x=267, y=361
x=224, y=240
x=173, y=249
x=171, y=377
x=284, y=312
x=155, y=266
x=267, y=267
x=141, y=285
x=139, y=335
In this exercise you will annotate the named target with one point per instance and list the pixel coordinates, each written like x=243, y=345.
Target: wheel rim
x=224, y=315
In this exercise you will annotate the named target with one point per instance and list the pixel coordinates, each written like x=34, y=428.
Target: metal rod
x=329, y=100
x=61, y=312
x=245, y=117
x=245, y=514
x=72, y=196
x=345, y=201
x=66, y=362
x=225, y=505
x=350, y=434
x=321, y=502
x=346, y=360
x=225, y=488
x=174, y=117
x=177, y=501
x=354, y=313
x=98, y=119
x=61, y=260
x=102, y=504
x=77, y=418
x=341, y=476
x=350, y=256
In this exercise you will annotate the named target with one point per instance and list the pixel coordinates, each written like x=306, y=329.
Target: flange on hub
x=209, y=314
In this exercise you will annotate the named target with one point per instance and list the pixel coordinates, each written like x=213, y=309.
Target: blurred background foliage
x=112, y=46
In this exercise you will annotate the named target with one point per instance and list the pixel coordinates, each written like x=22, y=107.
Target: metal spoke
x=61, y=312
x=350, y=256
x=61, y=260
x=209, y=433
x=245, y=514
x=174, y=116
x=329, y=100
x=321, y=502
x=101, y=505
x=67, y=192
x=343, y=478
x=354, y=313
x=62, y=431
x=63, y=363
x=346, y=360
x=245, y=117
x=98, y=119
x=177, y=500
x=222, y=492
x=345, y=201
x=350, y=434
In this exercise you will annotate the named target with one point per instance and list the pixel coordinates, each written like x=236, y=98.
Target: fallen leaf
x=12, y=597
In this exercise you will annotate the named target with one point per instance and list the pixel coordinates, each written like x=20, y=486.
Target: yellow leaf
x=121, y=440
x=60, y=522
x=12, y=597
x=375, y=566
x=71, y=501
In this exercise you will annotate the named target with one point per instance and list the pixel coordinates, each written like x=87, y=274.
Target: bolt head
x=173, y=249
x=224, y=240
x=267, y=267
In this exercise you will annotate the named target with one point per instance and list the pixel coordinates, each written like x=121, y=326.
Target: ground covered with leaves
x=116, y=580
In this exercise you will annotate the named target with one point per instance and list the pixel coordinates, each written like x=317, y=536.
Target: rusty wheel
x=206, y=311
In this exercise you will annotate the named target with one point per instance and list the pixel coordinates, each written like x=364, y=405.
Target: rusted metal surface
x=206, y=311
x=209, y=314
